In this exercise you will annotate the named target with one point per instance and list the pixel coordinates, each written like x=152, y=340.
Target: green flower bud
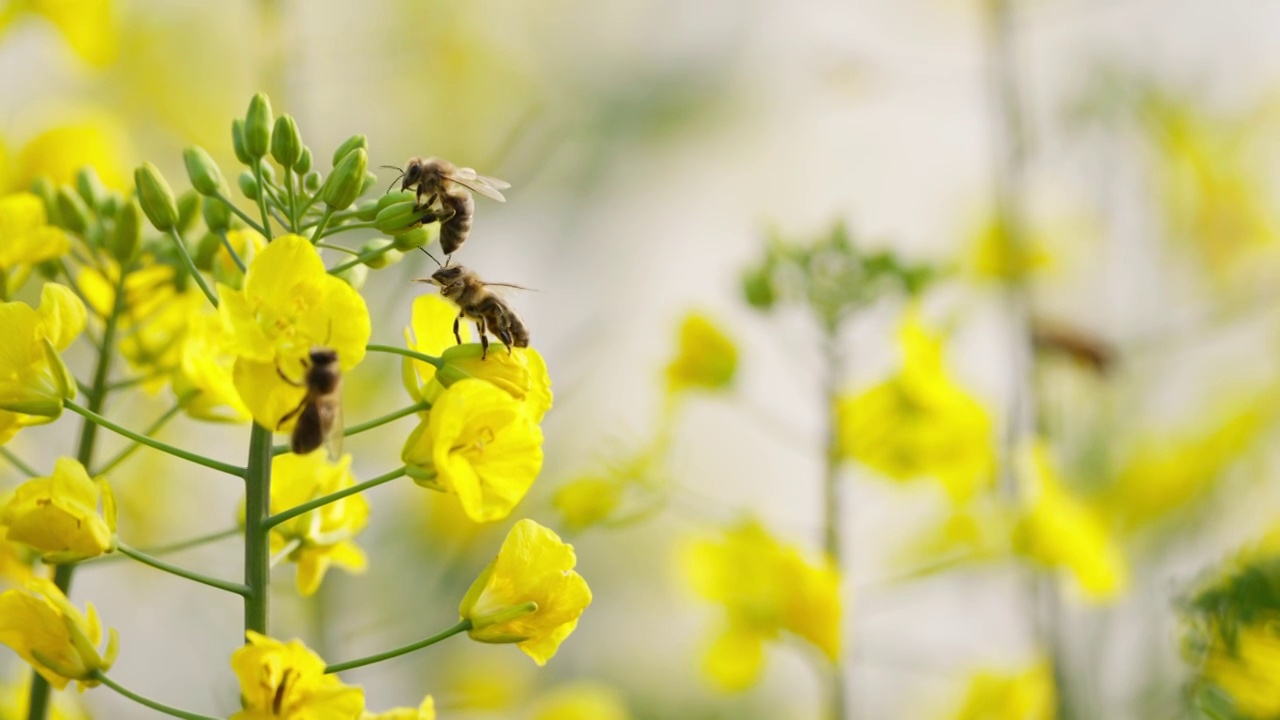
x=370, y=179
x=248, y=185
x=73, y=214
x=49, y=269
x=416, y=238
x=205, y=176
x=206, y=249
x=351, y=143
x=286, y=142
x=237, y=141
x=268, y=173
x=155, y=197
x=398, y=196
x=757, y=287
x=303, y=165
x=188, y=211
x=217, y=216
x=48, y=192
x=366, y=210
x=399, y=217
x=90, y=187
x=311, y=182
x=388, y=256
x=126, y=236
x=257, y=126
x=342, y=187
x=111, y=204
x=354, y=276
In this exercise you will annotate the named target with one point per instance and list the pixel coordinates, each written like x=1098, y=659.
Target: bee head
x=323, y=356
x=412, y=173
x=446, y=275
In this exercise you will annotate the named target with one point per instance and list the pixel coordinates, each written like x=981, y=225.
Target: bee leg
x=291, y=414
x=286, y=378
x=457, y=335
x=484, y=339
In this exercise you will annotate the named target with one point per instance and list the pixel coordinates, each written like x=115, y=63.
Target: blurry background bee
x=478, y=303
x=439, y=181
x=321, y=408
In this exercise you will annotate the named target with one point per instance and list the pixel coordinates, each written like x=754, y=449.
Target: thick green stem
x=235, y=256
x=318, y=232
x=431, y=360
x=833, y=529
x=172, y=569
x=191, y=268
x=148, y=702
x=307, y=507
x=257, y=547
x=462, y=626
x=149, y=442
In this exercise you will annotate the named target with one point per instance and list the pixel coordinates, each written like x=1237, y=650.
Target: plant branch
x=163, y=447
x=172, y=569
x=462, y=626
x=307, y=507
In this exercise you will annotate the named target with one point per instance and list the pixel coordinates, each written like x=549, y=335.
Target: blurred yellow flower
x=15, y=696
x=46, y=630
x=247, y=243
x=995, y=255
x=1250, y=671
x=919, y=423
x=28, y=238
x=765, y=587
x=286, y=681
x=58, y=515
x=323, y=536
x=88, y=26
x=587, y=501
x=479, y=443
x=1059, y=530
x=529, y=594
x=203, y=381
x=33, y=379
x=59, y=152
x=425, y=711
x=1025, y=695
x=289, y=304
x=15, y=561
x=582, y=701
x=705, y=358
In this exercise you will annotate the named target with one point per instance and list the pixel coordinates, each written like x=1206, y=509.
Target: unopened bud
x=354, y=275
x=303, y=165
x=311, y=182
x=90, y=188
x=248, y=185
x=416, y=238
x=188, y=211
x=366, y=210
x=127, y=234
x=351, y=143
x=205, y=176
x=400, y=217
x=382, y=253
x=47, y=192
x=370, y=179
x=217, y=216
x=156, y=197
x=757, y=287
x=286, y=142
x=73, y=214
x=342, y=187
x=237, y=141
x=206, y=249
x=257, y=126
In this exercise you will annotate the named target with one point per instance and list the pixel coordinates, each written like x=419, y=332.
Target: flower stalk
x=461, y=627
x=257, y=547
x=319, y=502
x=148, y=702
x=172, y=569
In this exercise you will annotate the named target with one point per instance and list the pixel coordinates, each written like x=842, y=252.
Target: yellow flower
x=322, y=536
x=15, y=562
x=425, y=711
x=288, y=305
x=28, y=238
x=1059, y=530
x=919, y=423
x=46, y=630
x=204, y=378
x=766, y=587
x=59, y=152
x=706, y=358
x=247, y=244
x=286, y=681
x=430, y=332
x=1026, y=695
x=1249, y=672
x=996, y=256
x=14, y=698
x=529, y=594
x=480, y=444
x=582, y=701
x=33, y=379
x=58, y=515
x=88, y=26
x=587, y=501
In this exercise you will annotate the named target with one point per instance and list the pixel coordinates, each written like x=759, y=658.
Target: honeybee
x=441, y=181
x=321, y=406
x=476, y=302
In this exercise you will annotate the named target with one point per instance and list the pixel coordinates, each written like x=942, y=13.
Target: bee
x=321, y=406
x=477, y=303
x=440, y=181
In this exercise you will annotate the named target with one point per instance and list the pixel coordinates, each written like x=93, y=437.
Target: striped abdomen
x=453, y=232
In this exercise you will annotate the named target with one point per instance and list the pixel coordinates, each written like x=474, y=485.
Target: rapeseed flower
x=765, y=587
x=60, y=152
x=15, y=562
x=60, y=642
x=529, y=595
x=1249, y=669
x=286, y=681
x=1024, y=695
x=425, y=711
x=587, y=501
x=430, y=332
x=479, y=443
x=58, y=515
x=996, y=255
x=582, y=701
x=28, y=238
x=203, y=381
x=288, y=305
x=323, y=536
x=920, y=423
x=33, y=379
x=15, y=698
x=706, y=357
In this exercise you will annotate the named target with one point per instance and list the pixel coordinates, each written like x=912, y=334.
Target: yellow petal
x=734, y=660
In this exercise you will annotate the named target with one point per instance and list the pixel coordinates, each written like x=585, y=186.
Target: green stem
x=235, y=256
x=139, y=380
x=431, y=360
x=363, y=257
x=462, y=626
x=148, y=702
x=833, y=528
x=352, y=226
x=371, y=424
x=159, y=564
x=307, y=507
x=242, y=215
x=318, y=232
x=292, y=210
x=339, y=248
x=162, y=447
x=18, y=462
x=257, y=548
x=172, y=547
x=262, y=201
x=191, y=268
x=152, y=429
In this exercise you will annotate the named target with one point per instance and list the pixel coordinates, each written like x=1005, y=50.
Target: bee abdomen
x=454, y=231
x=309, y=432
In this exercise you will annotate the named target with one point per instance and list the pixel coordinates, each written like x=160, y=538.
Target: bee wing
x=486, y=186
x=334, y=442
x=510, y=285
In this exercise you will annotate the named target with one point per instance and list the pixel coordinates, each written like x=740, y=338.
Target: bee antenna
x=393, y=182
x=433, y=257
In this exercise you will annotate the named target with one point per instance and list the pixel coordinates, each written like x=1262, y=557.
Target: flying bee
x=476, y=302
x=321, y=406
x=440, y=181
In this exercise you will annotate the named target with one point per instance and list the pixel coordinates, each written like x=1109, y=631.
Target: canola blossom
x=286, y=681
x=425, y=711
x=1020, y=695
x=706, y=358
x=529, y=595
x=59, y=516
x=40, y=624
x=33, y=379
